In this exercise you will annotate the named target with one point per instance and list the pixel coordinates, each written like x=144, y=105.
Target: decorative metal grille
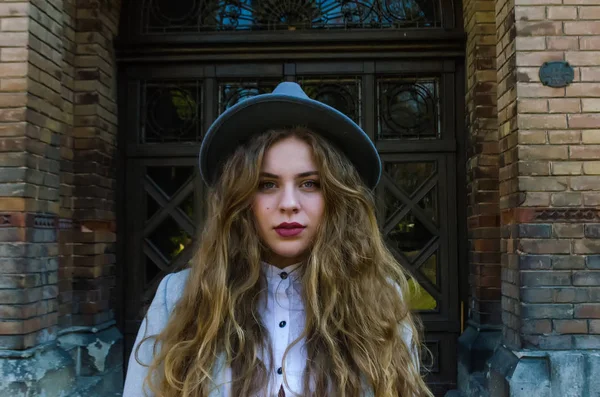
x=169, y=223
x=231, y=92
x=342, y=93
x=168, y=16
x=171, y=112
x=408, y=109
x=411, y=226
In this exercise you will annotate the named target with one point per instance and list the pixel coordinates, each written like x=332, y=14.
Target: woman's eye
x=266, y=185
x=310, y=184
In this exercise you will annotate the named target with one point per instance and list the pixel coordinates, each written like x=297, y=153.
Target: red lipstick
x=289, y=229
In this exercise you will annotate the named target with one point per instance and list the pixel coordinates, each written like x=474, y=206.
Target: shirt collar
x=273, y=272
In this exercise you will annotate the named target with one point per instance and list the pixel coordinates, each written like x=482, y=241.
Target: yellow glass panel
x=419, y=298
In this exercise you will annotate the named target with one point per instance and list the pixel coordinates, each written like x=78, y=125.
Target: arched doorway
x=394, y=66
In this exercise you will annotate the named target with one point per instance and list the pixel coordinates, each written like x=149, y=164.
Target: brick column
x=477, y=343
x=89, y=331
x=51, y=341
x=32, y=119
x=550, y=192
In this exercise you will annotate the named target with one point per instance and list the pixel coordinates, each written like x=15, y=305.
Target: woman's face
x=288, y=205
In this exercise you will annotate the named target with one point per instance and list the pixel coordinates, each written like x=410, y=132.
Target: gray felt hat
x=287, y=106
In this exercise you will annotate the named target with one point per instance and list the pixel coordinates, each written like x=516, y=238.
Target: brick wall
x=32, y=121
x=482, y=169
x=93, y=157
x=550, y=183
x=57, y=138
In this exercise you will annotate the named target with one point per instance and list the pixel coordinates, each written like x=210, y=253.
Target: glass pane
x=408, y=109
x=169, y=179
x=409, y=236
x=187, y=206
x=343, y=94
x=231, y=93
x=429, y=204
x=429, y=269
x=167, y=16
x=171, y=112
x=419, y=298
x=151, y=270
x=151, y=206
x=410, y=176
x=169, y=238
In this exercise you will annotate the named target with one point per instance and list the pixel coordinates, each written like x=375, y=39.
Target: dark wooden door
x=407, y=108
x=393, y=66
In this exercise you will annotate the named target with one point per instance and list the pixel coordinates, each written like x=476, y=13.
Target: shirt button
x=279, y=371
x=282, y=324
x=283, y=275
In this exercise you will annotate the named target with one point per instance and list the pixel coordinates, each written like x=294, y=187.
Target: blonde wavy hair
x=350, y=283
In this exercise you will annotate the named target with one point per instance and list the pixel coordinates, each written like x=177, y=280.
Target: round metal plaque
x=557, y=74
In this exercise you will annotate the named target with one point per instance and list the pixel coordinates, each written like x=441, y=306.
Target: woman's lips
x=286, y=229
x=289, y=232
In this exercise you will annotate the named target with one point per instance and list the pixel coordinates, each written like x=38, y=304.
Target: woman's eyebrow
x=301, y=175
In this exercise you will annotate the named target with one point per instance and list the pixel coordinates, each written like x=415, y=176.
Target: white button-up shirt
x=282, y=312
x=283, y=316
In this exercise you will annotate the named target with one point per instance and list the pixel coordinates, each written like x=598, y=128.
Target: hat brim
x=271, y=111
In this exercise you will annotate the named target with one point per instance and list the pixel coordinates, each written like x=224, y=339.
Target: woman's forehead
x=290, y=155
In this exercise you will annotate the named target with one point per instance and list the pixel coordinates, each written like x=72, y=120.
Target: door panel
x=164, y=205
x=407, y=108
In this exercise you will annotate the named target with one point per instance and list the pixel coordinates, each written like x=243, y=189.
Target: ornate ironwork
x=342, y=93
x=169, y=223
x=231, y=93
x=172, y=112
x=167, y=16
x=410, y=217
x=408, y=109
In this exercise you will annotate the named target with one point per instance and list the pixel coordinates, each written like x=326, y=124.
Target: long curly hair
x=351, y=285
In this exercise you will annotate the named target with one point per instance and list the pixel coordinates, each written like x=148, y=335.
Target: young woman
x=292, y=291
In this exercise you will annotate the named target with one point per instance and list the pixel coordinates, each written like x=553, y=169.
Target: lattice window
x=168, y=16
x=408, y=108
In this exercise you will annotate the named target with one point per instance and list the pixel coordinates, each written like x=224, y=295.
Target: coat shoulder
x=174, y=285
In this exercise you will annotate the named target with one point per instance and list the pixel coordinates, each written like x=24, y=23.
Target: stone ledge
x=84, y=362
x=544, y=373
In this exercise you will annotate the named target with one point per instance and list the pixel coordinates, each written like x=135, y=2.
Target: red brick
x=537, y=90
x=590, y=105
x=594, y=326
x=589, y=43
x=590, y=136
x=589, y=13
x=591, y=120
x=562, y=13
x=14, y=9
x=530, y=43
x=561, y=137
x=582, y=28
x=570, y=326
x=587, y=310
x=590, y=74
x=537, y=13
x=14, y=24
x=539, y=28
x=564, y=105
x=566, y=168
x=583, y=58
x=537, y=58
x=562, y=43
x=539, y=121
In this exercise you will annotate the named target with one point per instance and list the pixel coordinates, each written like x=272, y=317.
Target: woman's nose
x=289, y=200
